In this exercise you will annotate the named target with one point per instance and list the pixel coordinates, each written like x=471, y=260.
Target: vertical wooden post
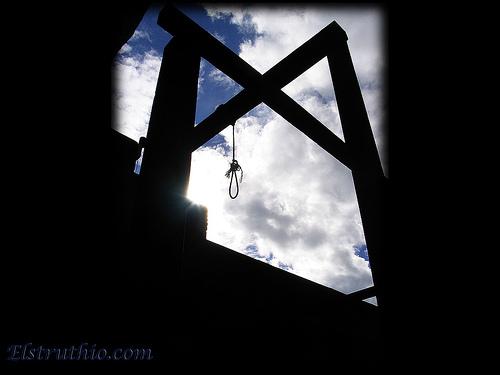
x=369, y=180
x=161, y=204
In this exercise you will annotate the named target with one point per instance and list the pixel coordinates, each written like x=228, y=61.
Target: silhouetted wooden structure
x=198, y=300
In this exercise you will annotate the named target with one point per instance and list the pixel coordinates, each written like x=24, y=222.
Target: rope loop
x=233, y=168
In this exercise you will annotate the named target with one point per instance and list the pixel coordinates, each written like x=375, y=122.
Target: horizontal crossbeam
x=363, y=293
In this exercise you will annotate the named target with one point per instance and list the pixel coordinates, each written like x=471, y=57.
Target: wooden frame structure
x=172, y=136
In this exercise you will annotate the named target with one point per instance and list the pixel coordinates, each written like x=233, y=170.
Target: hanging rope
x=233, y=168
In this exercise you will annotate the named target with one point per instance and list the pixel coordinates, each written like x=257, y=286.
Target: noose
x=233, y=168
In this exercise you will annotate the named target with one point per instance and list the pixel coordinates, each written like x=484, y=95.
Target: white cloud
x=219, y=37
x=281, y=29
x=125, y=49
x=232, y=12
x=296, y=201
x=372, y=300
x=135, y=84
x=222, y=79
x=201, y=75
x=141, y=34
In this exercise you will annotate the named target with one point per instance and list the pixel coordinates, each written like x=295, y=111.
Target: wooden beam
x=363, y=293
x=309, y=125
x=309, y=53
x=259, y=87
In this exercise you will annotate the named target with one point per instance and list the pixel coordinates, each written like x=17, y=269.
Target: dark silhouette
x=148, y=277
x=223, y=296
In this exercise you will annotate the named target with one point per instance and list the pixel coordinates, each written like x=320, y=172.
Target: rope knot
x=233, y=168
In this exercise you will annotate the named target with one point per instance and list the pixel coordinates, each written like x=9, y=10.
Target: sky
x=297, y=208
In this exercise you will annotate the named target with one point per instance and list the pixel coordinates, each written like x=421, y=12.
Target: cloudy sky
x=297, y=208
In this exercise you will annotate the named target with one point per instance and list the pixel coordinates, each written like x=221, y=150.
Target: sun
x=204, y=186
x=198, y=193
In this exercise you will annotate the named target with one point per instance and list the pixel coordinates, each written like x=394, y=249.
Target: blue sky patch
x=215, y=87
x=361, y=251
x=253, y=251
